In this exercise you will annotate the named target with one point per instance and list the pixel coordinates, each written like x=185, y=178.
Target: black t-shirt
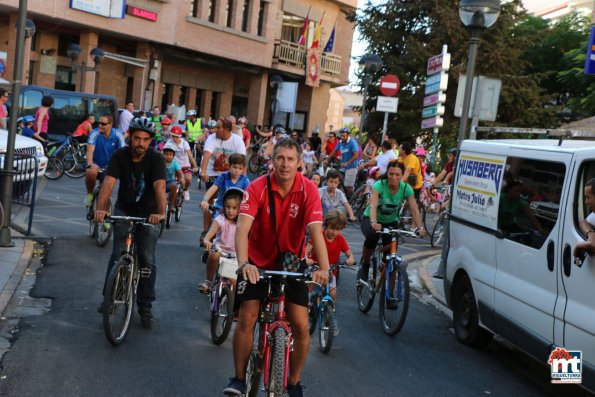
x=136, y=195
x=315, y=142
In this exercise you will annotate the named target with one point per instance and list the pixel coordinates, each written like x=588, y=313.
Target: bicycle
x=102, y=232
x=434, y=208
x=54, y=169
x=122, y=282
x=178, y=203
x=72, y=154
x=405, y=215
x=439, y=230
x=388, y=273
x=322, y=312
x=273, y=340
x=221, y=297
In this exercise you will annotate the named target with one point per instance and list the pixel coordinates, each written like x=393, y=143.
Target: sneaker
x=88, y=200
x=204, y=287
x=107, y=226
x=295, y=390
x=146, y=317
x=186, y=195
x=235, y=387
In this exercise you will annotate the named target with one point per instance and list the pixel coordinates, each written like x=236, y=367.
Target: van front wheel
x=466, y=316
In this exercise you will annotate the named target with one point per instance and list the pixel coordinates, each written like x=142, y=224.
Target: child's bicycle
x=178, y=203
x=321, y=311
x=221, y=297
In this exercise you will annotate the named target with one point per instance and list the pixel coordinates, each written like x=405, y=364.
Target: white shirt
x=125, y=118
x=181, y=155
x=384, y=158
x=220, y=151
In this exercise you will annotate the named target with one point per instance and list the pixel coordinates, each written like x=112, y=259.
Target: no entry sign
x=390, y=85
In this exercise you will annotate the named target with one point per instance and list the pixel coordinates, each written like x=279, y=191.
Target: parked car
x=25, y=167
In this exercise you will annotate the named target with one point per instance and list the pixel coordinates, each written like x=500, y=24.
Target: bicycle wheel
x=103, y=231
x=54, y=169
x=406, y=217
x=253, y=163
x=254, y=367
x=222, y=316
x=77, y=171
x=118, y=301
x=313, y=313
x=178, y=209
x=365, y=292
x=326, y=329
x=67, y=157
x=439, y=231
x=431, y=216
x=276, y=385
x=393, y=314
x=168, y=215
x=92, y=224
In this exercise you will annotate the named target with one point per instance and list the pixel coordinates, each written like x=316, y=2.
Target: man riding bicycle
x=141, y=172
x=195, y=131
x=103, y=142
x=296, y=206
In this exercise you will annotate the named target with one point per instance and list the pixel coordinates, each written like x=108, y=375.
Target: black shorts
x=295, y=291
x=372, y=237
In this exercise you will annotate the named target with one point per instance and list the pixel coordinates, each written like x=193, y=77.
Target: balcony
x=291, y=57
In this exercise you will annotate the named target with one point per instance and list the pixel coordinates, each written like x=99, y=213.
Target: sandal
x=204, y=287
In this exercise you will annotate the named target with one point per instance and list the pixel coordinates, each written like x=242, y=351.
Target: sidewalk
x=13, y=263
x=434, y=285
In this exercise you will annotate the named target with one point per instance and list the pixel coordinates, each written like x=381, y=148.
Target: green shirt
x=389, y=204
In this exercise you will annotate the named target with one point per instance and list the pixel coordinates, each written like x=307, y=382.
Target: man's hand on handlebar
x=421, y=232
x=250, y=273
x=100, y=215
x=156, y=218
x=320, y=276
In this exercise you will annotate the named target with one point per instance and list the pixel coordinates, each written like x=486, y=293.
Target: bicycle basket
x=228, y=268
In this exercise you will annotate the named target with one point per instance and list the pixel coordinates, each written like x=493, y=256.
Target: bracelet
x=590, y=231
x=242, y=266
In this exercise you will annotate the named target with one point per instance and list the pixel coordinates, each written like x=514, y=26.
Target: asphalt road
x=63, y=352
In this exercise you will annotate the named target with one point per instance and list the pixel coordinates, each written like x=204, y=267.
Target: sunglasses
x=102, y=123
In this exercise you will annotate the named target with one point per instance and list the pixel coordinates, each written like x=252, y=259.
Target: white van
x=25, y=146
x=516, y=209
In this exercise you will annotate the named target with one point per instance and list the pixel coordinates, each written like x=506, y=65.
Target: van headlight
x=39, y=151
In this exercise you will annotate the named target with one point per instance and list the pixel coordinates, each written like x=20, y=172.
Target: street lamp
x=368, y=65
x=74, y=51
x=477, y=15
x=25, y=27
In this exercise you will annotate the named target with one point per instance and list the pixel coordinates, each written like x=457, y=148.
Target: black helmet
x=345, y=129
x=453, y=151
x=233, y=191
x=142, y=124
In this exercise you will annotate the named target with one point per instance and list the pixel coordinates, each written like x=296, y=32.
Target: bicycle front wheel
x=393, y=309
x=276, y=385
x=178, y=209
x=55, y=169
x=438, y=232
x=327, y=328
x=222, y=316
x=118, y=301
x=253, y=163
x=365, y=291
x=313, y=313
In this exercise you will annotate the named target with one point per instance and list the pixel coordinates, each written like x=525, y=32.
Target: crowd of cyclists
x=309, y=181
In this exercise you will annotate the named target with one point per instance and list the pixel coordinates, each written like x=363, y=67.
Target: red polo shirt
x=300, y=207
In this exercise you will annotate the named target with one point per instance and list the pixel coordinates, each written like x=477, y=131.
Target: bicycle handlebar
x=400, y=232
x=123, y=219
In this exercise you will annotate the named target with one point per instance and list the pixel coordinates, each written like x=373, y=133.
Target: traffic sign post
x=389, y=86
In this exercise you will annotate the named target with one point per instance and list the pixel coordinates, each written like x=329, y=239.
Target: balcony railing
x=294, y=54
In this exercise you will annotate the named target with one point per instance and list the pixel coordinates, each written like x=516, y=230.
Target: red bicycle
x=273, y=339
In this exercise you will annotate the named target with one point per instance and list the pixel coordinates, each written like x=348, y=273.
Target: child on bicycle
x=234, y=178
x=310, y=159
x=334, y=222
x=333, y=198
x=173, y=172
x=223, y=229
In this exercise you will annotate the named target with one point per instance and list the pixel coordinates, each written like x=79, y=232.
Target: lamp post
x=368, y=65
x=477, y=15
x=74, y=51
x=25, y=28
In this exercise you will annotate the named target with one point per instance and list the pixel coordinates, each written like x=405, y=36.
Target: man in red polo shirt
x=258, y=242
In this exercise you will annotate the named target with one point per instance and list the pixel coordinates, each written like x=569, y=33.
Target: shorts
x=350, y=175
x=187, y=170
x=372, y=237
x=168, y=185
x=296, y=292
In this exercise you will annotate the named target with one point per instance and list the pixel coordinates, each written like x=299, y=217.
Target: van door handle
x=550, y=256
x=566, y=260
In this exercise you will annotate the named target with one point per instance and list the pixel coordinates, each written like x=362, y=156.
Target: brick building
x=216, y=56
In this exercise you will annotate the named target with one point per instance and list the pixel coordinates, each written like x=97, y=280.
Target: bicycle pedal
x=145, y=272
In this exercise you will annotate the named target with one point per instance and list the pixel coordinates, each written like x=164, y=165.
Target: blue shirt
x=170, y=170
x=224, y=182
x=28, y=132
x=105, y=147
x=347, y=151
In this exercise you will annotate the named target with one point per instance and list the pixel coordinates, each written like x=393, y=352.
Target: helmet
x=166, y=121
x=420, y=151
x=176, y=130
x=344, y=129
x=169, y=146
x=315, y=132
x=242, y=120
x=142, y=124
x=233, y=191
x=212, y=123
x=453, y=151
x=279, y=130
x=374, y=171
x=191, y=112
x=28, y=119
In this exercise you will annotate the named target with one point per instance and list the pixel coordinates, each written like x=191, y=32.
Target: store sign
x=105, y=8
x=140, y=13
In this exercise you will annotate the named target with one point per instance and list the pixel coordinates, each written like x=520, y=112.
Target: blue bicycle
x=72, y=155
x=321, y=311
x=388, y=276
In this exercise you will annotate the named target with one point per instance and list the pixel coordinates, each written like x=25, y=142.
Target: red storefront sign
x=140, y=13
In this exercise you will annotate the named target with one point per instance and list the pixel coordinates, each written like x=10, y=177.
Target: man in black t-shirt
x=141, y=172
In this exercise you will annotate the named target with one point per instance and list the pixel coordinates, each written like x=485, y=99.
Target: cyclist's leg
x=244, y=332
x=146, y=243
x=91, y=178
x=297, y=312
x=212, y=262
x=370, y=243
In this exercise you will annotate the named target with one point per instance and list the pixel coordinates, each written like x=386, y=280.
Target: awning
x=141, y=63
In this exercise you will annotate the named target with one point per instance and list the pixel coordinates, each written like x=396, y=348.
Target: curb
x=14, y=280
x=426, y=280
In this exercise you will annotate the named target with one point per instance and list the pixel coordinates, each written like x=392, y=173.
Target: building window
x=65, y=79
x=229, y=13
x=214, y=105
x=200, y=94
x=291, y=30
x=193, y=8
x=245, y=14
x=212, y=6
x=261, y=11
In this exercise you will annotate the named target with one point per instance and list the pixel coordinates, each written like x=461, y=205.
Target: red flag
x=302, y=40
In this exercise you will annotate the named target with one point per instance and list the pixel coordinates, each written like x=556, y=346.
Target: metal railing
x=24, y=183
x=294, y=54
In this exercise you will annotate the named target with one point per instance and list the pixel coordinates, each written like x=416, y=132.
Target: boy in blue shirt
x=233, y=178
x=27, y=129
